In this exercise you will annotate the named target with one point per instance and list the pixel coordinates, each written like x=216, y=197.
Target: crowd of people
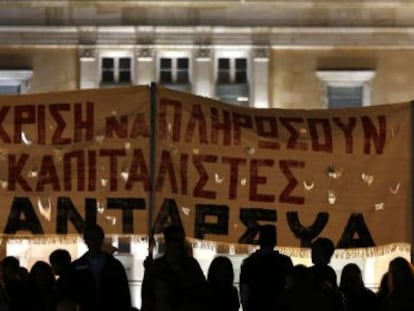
x=95, y=281
x=176, y=282
x=269, y=281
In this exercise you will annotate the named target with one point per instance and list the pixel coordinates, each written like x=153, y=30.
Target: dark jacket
x=263, y=278
x=183, y=287
x=108, y=291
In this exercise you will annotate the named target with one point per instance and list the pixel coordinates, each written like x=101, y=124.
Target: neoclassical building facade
x=260, y=53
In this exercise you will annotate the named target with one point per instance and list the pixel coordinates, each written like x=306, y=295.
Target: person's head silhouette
x=322, y=250
x=60, y=260
x=267, y=236
x=94, y=236
x=175, y=248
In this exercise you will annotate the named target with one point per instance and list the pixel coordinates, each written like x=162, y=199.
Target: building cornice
x=189, y=3
x=231, y=13
x=65, y=36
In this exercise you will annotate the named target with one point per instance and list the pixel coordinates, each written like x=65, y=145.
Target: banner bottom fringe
x=217, y=247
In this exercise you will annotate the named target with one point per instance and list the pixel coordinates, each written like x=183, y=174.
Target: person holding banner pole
x=174, y=281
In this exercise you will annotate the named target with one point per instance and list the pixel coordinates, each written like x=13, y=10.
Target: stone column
x=203, y=78
x=145, y=66
x=260, y=78
x=89, y=68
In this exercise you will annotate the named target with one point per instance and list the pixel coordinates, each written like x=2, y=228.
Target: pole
x=152, y=152
x=411, y=212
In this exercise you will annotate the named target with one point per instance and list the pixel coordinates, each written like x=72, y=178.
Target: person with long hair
x=400, y=285
x=222, y=294
x=356, y=296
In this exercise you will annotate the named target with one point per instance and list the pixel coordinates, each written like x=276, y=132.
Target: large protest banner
x=343, y=174
x=71, y=158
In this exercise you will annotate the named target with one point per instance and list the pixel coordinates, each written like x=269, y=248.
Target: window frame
x=18, y=78
x=232, y=70
x=247, y=86
x=174, y=68
x=347, y=78
x=116, y=56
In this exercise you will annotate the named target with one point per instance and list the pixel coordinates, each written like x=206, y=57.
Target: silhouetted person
x=263, y=274
x=23, y=275
x=322, y=250
x=175, y=278
x=301, y=293
x=41, y=286
x=356, y=296
x=66, y=304
x=324, y=275
x=222, y=294
x=97, y=280
x=4, y=298
x=16, y=288
x=60, y=260
x=401, y=285
x=383, y=292
x=161, y=295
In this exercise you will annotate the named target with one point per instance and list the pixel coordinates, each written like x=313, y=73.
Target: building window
x=232, y=86
x=223, y=71
x=182, y=70
x=116, y=70
x=14, y=81
x=241, y=70
x=232, y=70
x=10, y=89
x=346, y=88
x=174, y=70
x=344, y=96
x=166, y=70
